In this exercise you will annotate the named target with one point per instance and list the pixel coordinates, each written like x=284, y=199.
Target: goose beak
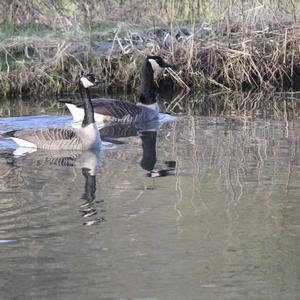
x=98, y=80
x=166, y=65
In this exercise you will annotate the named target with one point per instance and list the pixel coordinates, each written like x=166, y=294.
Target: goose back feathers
x=113, y=110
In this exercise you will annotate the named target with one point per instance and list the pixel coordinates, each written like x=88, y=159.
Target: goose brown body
x=55, y=138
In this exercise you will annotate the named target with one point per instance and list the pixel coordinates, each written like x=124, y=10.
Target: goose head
x=152, y=66
x=157, y=63
x=90, y=80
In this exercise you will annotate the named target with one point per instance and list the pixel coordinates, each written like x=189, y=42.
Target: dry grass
x=242, y=46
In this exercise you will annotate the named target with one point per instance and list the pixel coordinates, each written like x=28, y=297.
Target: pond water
x=204, y=207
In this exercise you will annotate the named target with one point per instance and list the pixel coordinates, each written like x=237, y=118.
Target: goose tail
x=8, y=134
x=18, y=140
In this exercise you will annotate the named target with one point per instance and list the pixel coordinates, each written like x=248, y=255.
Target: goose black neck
x=148, y=88
x=87, y=106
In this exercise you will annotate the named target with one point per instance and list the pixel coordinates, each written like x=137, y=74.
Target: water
x=217, y=218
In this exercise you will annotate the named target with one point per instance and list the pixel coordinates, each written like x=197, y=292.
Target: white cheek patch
x=86, y=83
x=155, y=66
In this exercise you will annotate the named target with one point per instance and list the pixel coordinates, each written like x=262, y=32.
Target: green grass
x=10, y=29
x=99, y=26
x=16, y=56
x=10, y=57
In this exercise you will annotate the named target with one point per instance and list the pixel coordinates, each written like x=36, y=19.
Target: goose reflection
x=148, y=134
x=87, y=161
x=87, y=208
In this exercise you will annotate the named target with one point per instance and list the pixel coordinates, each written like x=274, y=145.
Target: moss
x=10, y=29
x=16, y=56
x=9, y=58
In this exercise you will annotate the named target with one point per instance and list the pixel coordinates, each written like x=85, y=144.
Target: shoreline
x=264, y=60
x=243, y=105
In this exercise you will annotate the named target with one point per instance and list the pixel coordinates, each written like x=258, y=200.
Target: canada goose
x=55, y=138
x=112, y=110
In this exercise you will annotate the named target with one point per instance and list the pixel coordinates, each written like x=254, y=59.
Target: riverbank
x=36, y=58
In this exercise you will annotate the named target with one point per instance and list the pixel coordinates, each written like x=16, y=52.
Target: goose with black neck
x=64, y=138
x=113, y=110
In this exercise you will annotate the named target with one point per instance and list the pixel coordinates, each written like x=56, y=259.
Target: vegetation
x=232, y=44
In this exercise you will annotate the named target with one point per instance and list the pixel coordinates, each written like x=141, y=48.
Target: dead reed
x=242, y=47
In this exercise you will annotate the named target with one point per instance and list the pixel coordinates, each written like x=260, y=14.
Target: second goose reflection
x=148, y=134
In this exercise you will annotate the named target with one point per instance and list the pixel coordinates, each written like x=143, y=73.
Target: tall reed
x=232, y=45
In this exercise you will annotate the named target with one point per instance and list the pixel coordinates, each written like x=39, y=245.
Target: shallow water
x=218, y=218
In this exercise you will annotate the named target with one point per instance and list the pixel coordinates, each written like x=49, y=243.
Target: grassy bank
x=229, y=45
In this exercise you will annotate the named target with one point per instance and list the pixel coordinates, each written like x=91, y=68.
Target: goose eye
x=91, y=78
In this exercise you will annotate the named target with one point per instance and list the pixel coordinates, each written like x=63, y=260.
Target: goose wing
x=115, y=108
x=43, y=135
x=119, y=130
x=118, y=109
